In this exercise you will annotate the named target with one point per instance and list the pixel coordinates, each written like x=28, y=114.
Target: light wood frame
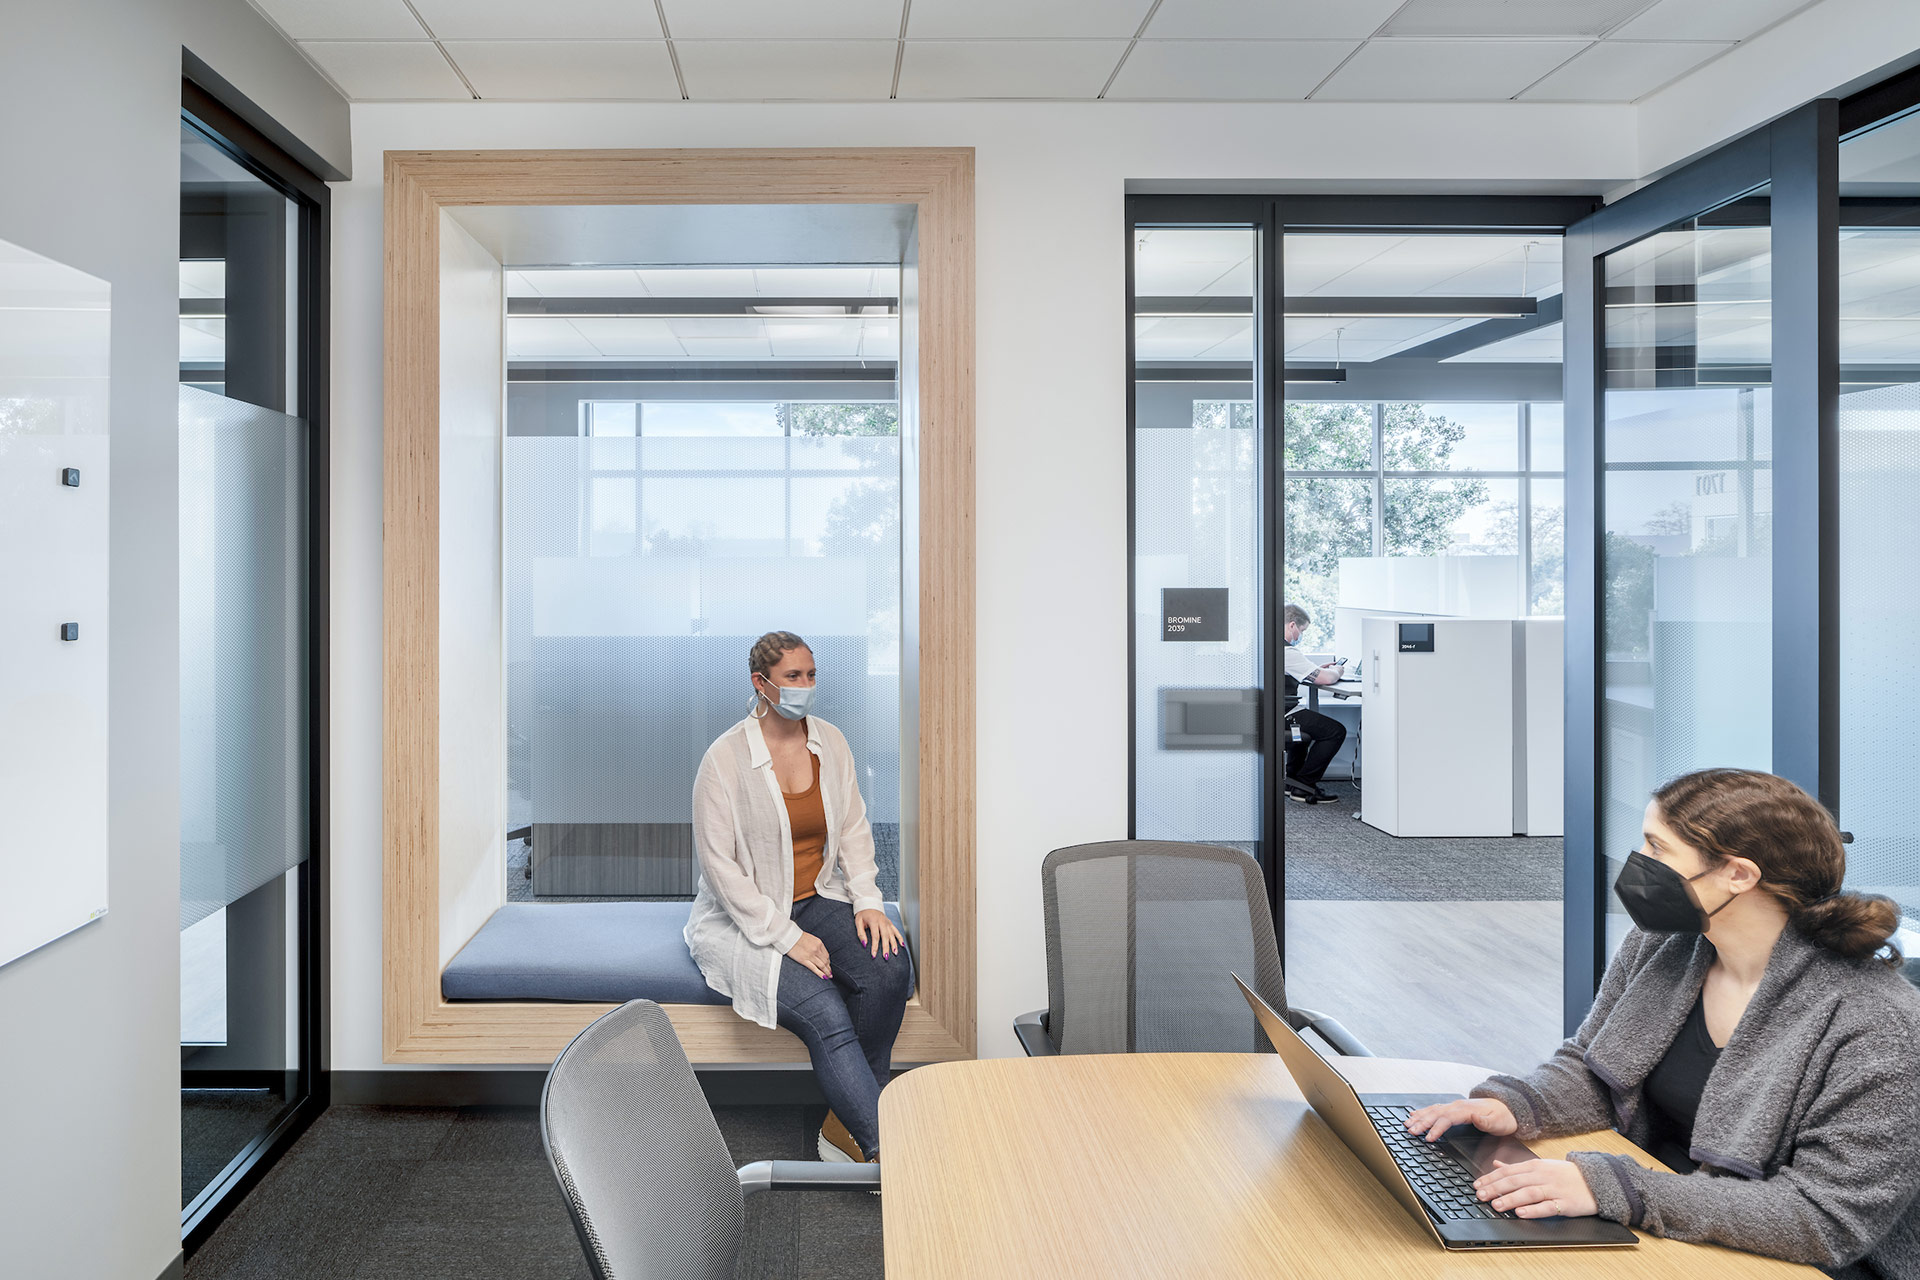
x=418, y=1024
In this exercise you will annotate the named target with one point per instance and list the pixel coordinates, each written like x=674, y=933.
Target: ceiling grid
x=1601, y=51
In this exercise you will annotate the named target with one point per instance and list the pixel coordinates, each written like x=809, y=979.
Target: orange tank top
x=807, y=816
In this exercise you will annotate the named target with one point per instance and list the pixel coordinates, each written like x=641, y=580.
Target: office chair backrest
x=1142, y=939
x=641, y=1164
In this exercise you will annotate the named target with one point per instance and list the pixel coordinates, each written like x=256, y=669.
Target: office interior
x=1580, y=348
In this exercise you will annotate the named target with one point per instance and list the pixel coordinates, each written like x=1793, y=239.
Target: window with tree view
x=1370, y=479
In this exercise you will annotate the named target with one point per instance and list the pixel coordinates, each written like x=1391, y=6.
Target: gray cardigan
x=1808, y=1134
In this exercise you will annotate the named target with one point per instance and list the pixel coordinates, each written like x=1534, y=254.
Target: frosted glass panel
x=1196, y=518
x=55, y=324
x=636, y=584
x=243, y=660
x=1879, y=584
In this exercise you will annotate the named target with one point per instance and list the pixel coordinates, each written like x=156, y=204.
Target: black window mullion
x=1806, y=445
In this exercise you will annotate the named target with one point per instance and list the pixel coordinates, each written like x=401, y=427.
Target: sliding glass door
x=252, y=657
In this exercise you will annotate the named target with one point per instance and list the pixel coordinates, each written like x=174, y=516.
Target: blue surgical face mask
x=795, y=701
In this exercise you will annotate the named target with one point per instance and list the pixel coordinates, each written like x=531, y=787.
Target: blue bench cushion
x=592, y=951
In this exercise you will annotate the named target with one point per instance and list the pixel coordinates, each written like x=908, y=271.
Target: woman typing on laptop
x=1754, y=1033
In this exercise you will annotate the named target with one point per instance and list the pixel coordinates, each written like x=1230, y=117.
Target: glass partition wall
x=1315, y=417
x=252, y=657
x=1878, y=462
x=695, y=455
x=1711, y=484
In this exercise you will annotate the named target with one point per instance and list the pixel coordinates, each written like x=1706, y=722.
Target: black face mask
x=1657, y=898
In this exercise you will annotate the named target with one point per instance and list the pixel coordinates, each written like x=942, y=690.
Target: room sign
x=1193, y=613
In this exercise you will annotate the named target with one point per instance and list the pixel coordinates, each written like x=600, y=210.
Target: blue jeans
x=848, y=1023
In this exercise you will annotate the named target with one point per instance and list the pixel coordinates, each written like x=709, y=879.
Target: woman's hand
x=875, y=930
x=812, y=952
x=1537, y=1189
x=1489, y=1115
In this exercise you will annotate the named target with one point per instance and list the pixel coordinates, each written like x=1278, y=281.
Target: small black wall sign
x=1193, y=613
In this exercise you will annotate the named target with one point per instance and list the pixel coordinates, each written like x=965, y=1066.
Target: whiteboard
x=55, y=323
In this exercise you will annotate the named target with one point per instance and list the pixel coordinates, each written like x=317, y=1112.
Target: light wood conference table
x=1187, y=1164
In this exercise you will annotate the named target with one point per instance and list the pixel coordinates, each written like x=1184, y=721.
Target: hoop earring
x=756, y=706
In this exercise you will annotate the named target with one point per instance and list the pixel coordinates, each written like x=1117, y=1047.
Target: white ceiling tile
x=548, y=20
x=343, y=19
x=564, y=282
x=552, y=70
x=1268, y=19
x=821, y=282
x=1219, y=70
x=380, y=71
x=697, y=282
x=728, y=348
x=1193, y=261
x=1708, y=20
x=630, y=336
x=1445, y=70
x=1024, y=19
x=535, y=338
x=778, y=19
x=1621, y=71
x=1511, y=17
x=764, y=70
x=1008, y=68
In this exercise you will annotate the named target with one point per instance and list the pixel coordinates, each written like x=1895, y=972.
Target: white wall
x=1838, y=45
x=89, y=1055
x=1051, y=566
x=473, y=692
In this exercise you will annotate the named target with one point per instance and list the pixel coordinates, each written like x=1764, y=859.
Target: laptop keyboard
x=1442, y=1181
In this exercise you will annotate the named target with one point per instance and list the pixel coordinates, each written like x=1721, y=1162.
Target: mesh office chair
x=1142, y=939
x=646, y=1176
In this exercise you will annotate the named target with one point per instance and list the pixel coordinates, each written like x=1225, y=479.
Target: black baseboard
x=507, y=1087
x=177, y=1269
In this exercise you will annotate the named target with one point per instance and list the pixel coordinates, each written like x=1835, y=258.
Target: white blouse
x=741, y=924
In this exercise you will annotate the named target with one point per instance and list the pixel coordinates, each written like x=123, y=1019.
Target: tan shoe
x=837, y=1144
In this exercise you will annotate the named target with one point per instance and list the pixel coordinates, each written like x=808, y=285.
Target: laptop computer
x=1433, y=1180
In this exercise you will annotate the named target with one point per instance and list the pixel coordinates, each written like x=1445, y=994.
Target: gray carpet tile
x=385, y=1193
x=1333, y=858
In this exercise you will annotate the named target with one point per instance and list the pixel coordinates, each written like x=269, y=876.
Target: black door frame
x=1272, y=217
x=265, y=159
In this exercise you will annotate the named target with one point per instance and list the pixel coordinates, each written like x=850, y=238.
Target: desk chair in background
x=1143, y=939
x=645, y=1173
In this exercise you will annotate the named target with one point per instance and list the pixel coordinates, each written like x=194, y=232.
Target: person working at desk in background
x=788, y=920
x=1313, y=740
x=1749, y=1033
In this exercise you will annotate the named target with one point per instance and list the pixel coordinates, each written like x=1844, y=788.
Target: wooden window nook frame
x=418, y=1024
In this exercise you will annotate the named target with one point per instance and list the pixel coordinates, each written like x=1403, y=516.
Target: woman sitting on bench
x=787, y=920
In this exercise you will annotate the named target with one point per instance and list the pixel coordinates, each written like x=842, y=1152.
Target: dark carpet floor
x=215, y=1124
x=1333, y=858
x=402, y=1193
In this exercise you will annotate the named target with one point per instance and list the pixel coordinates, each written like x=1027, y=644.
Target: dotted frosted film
x=639, y=570
x=243, y=660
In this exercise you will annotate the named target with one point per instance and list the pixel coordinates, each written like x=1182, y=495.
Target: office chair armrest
x=1332, y=1032
x=1032, y=1030
x=806, y=1175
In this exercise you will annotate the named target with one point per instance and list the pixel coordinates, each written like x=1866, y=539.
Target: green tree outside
x=1327, y=518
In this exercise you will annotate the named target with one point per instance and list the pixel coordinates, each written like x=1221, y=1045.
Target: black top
x=1674, y=1087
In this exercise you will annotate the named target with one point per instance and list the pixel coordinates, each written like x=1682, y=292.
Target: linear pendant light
x=1345, y=308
